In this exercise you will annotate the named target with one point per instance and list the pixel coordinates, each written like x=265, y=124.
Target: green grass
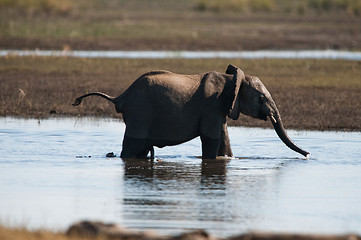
x=45, y=6
x=310, y=73
x=237, y=5
x=65, y=7
x=176, y=25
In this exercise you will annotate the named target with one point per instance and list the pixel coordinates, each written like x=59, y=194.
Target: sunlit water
x=54, y=172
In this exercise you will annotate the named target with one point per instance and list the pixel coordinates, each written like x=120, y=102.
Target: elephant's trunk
x=281, y=132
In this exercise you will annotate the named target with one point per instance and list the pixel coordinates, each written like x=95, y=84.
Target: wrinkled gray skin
x=162, y=109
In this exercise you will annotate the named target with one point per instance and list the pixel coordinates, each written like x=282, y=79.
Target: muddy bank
x=310, y=94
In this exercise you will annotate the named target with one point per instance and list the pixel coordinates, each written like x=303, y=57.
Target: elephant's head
x=253, y=99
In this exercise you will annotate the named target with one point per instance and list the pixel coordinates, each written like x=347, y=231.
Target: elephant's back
x=166, y=85
x=172, y=81
x=160, y=105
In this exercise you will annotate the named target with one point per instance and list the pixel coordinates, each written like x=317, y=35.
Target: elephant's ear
x=238, y=77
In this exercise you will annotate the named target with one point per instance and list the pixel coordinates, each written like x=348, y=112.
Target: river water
x=300, y=54
x=54, y=172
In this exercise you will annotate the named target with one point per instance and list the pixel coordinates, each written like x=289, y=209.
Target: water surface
x=54, y=172
x=283, y=54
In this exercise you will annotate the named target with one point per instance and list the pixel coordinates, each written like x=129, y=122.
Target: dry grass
x=23, y=234
x=311, y=94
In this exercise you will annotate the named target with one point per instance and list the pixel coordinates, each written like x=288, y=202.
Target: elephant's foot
x=224, y=150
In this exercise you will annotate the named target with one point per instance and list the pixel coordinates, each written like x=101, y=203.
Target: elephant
x=162, y=108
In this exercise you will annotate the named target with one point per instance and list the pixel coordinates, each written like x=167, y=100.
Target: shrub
x=261, y=5
x=47, y=6
x=351, y=7
x=236, y=5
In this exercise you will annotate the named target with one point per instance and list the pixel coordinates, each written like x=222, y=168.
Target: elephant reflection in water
x=169, y=192
x=155, y=190
x=147, y=169
x=162, y=108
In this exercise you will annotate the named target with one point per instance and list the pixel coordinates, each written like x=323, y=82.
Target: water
x=54, y=172
x=302, y=54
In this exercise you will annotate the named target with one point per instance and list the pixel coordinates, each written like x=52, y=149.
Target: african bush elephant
x=162, y=108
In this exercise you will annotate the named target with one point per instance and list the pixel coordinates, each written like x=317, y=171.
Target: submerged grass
x=311, y=94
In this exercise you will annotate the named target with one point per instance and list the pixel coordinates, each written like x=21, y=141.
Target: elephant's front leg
x=225, y=145
x=136, y=148
x=210, y=147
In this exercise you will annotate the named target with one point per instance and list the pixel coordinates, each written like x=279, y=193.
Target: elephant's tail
x=107, y=97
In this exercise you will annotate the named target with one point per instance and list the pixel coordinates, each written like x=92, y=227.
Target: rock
x=195, y=235
x=110, y=155
x=90, y=229
x=94, y=229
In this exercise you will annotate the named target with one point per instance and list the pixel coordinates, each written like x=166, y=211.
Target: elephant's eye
x=262, y=99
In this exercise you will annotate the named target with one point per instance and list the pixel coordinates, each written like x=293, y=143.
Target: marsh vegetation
x=180, y=25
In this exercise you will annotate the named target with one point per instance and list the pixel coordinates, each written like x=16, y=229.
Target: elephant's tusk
x=273, y=119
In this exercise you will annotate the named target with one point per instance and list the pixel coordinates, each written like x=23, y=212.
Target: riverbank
x=310, y=94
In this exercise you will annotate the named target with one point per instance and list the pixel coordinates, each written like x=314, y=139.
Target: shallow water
x=54, y=172
x=295, y=54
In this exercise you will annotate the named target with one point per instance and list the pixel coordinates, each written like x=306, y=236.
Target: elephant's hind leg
x=136, y=148
x=225, y=145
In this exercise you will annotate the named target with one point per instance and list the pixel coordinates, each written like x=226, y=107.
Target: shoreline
x=231, y=123
x=101, y=230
